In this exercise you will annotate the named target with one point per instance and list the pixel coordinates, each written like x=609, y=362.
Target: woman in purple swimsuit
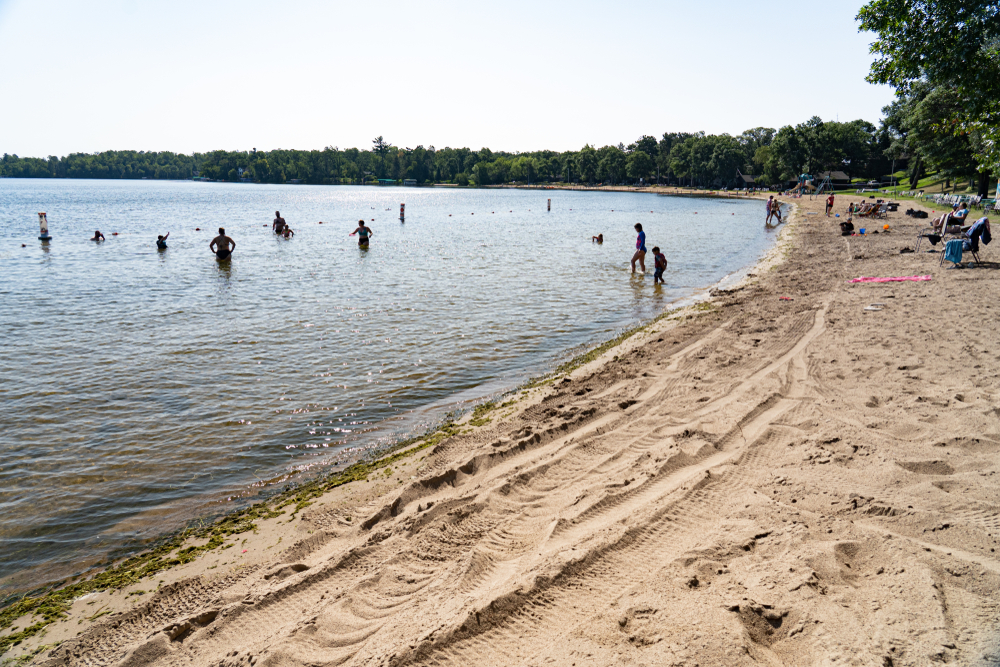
x=640, y=249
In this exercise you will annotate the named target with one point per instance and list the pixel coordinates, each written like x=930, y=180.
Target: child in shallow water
x=659, y=265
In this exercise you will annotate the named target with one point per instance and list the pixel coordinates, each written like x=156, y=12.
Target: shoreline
x=761, y=459
x=282, y=483
x=265, y=504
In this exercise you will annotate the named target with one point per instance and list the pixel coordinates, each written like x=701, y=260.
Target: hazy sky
x=194, y=76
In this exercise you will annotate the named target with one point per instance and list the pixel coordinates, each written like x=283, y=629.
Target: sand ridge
x=750, y=481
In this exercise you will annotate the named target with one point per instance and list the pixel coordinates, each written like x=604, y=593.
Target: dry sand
x=749, y=481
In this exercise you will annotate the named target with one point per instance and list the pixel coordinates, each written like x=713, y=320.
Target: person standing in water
x=279, y=223
x=222, y=245
x=776, y=210
x=768, y=207
x=363, y=233
x=161, y=242
x=659, y=265
x=640, y=249
x=98, y=236
x=597, y=239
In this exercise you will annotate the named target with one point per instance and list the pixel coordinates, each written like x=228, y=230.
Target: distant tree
x=381, y=148
x=586, y=161
x=639, y=164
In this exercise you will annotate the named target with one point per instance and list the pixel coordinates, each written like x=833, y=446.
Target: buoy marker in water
x=43, y=227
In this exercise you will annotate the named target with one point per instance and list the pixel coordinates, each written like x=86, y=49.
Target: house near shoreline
x=835, y=177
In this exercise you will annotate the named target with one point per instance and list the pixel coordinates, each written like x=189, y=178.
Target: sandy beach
x=783, y=474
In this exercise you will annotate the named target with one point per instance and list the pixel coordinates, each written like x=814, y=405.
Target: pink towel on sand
x=889, y=280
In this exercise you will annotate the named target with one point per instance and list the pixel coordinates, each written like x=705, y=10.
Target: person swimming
x=222, y=245
x=363, y=233
x=279, y=223
x=597, y=239
x=98, y=236
x=161, y=242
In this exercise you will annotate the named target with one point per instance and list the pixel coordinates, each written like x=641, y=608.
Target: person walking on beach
x=829, y=204
x=98, y=236
x=161, y=242
x=279, y=223
x=222, y=245
x=363, y=233
x=640, y=249
x=768, y=207
x=659, y=265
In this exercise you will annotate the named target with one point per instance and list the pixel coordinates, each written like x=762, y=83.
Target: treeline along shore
x=908, y=139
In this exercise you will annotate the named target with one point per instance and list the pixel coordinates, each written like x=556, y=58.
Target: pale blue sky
x=190, y=75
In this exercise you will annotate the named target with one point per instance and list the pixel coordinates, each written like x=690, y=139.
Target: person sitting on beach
x=363, y=234
x=640, y=249
x=279, y=223
x=659, y=265
x=597, y=239
x=161, y=242
x=287, y=232
x=959, y=215
x=98, y=236
x=222, y=245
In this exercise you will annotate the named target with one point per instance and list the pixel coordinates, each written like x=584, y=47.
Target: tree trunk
x=984, y=184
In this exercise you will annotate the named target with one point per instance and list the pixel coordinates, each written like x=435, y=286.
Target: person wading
x=222, y=245
x=640, y=249
x=362, y=233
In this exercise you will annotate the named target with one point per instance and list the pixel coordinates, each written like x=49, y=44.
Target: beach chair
x=966, y=247
x=970, y=238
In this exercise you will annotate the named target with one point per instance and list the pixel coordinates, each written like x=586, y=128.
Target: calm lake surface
x=142, y=388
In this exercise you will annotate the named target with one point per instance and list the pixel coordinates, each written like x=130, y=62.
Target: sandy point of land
x=785, y=474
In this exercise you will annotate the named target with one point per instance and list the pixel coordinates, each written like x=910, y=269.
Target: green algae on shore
x=53, y=604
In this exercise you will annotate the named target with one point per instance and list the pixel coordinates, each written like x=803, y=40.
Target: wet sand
x=774, y=476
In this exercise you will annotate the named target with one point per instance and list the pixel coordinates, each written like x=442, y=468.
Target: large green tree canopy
x=950, y=44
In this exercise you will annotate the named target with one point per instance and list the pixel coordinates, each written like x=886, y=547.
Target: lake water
x=140, y=388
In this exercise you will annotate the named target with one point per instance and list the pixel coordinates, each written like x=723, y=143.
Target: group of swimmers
x=223, y=246
x=659, y=259
x=281, y=227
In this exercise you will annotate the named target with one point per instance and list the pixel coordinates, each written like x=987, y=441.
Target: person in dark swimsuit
x=98, y=236
x=279, y=223
x=363, y=233
x=222, y=245
x=161, y=242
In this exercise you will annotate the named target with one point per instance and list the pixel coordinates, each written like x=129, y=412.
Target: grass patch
x=21, y=660
x=479, y=415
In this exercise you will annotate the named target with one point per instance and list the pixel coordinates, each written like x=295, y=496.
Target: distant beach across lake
x=141, y=387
